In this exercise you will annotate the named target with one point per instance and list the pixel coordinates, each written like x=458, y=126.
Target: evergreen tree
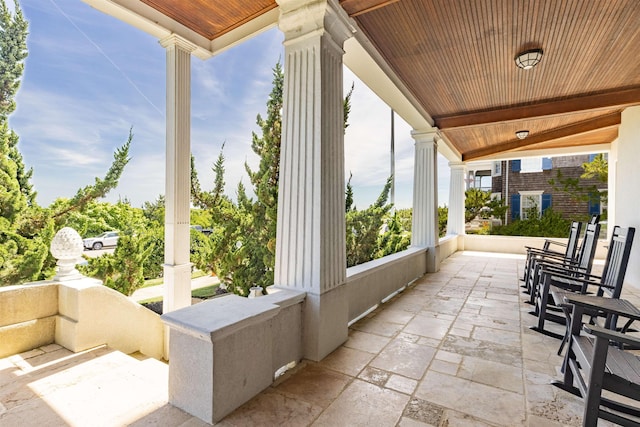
x=244, y=232
x=123, y=269
x=13, y=52
x=26, y=230
x=265, y=183
x=579, y=190
x=364, y=228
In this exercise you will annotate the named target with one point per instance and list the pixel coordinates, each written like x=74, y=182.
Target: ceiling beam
x=355, y=8
x=580, y=128
x=618, y=98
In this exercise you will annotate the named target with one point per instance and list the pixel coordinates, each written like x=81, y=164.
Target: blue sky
x=90, y=77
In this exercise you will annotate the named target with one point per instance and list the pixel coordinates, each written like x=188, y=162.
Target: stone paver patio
x=454, y=349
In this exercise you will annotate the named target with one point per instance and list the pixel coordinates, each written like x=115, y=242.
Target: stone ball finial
x=67, y=248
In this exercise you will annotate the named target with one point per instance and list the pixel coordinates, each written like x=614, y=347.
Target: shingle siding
x=571, y=167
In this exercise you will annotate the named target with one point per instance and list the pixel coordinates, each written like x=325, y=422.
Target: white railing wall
x=371, y=283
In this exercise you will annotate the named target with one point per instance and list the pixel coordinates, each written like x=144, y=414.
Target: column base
x=433, y=259
x=325, y=326
x=177, y=287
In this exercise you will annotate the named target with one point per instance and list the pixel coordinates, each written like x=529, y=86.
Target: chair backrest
x=615, y=266
x=572, y=243
x=588, y=248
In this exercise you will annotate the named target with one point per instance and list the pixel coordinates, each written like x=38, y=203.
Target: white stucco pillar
x=625, y=192
x=177, y=268
x=424, y=225
x=310, y=244
x=457, y=185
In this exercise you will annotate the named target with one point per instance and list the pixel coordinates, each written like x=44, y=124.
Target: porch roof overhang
x=451, y=64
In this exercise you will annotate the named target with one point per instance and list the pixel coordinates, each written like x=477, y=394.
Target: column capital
x=458, y=165
x=300, y=19
x=428, y=135
x=174, y=40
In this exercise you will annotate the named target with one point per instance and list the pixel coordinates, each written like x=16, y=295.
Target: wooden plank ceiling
x=457, y=58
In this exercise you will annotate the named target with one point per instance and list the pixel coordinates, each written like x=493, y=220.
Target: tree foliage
x=26, y=229
x=365, y=237
x=242, y=244
x=577, y=188
x=13, y=51
x=475, y=200
x=123, y=269
x=244, y=231
x=549, y=224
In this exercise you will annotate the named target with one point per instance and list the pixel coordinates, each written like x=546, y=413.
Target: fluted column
x=455, y=221
x=310, y=244
x=424, y=227
x=177, y=268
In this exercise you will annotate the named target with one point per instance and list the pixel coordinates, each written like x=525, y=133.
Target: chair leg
x=567, y=333
x=533, y=283
x=594, y=392
x=541, y=307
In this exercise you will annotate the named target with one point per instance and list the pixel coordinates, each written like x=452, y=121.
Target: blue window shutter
x=594, y=206
x=515, y=166
x=591, y=157
x=515, y=206
x=546, y=163
x=546, y=202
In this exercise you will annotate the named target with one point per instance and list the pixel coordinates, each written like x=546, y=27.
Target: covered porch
x=453, y=349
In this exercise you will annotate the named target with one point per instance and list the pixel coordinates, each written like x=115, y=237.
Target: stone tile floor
x=454, y=349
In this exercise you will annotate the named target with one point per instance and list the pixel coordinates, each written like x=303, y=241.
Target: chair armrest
x=553, y=242
x=545, y=254
x=566, y=273
x=604, y=305
x=586, y=280
x=612, y=335
x=563, y=267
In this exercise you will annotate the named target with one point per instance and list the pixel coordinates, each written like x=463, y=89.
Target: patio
x=454, y=349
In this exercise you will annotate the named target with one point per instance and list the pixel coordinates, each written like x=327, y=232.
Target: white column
x=623, y=207
x=455, y=221
x=424, y=227
x=310, y=244
x=177, y=268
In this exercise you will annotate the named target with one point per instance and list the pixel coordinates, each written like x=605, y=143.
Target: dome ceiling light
x=522, y=134
x=528, y=59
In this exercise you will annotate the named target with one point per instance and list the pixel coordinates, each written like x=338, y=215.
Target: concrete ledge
x=77, y=314
x=226, y=350
x=24, y=336
x=516, y=244
x=370, y=283
x=27, y=302
x=215, y=319
x=91, y=314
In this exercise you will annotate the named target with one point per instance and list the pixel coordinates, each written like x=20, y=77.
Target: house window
x=497, y=169
x=531, y=164
x=482, y=180
x=523, y=203
x=530, y=200
x=598, y=205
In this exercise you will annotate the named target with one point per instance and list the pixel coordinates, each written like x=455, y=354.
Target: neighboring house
x=524, y=183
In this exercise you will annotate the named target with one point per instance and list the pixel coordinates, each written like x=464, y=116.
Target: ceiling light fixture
x=522, y=134
x=528, y=59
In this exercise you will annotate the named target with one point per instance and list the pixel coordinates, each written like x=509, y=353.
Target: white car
x=108, y=238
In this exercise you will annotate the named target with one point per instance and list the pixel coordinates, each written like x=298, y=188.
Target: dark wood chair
x=609, y=284
x=565, y=276
x=593, y=364
x=536, y=254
